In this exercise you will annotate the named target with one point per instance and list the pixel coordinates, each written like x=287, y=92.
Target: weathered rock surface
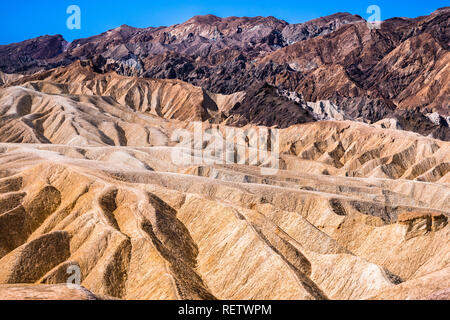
x=89, y=183
x=102, y=175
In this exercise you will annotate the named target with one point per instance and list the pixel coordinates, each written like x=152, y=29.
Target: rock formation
x=103, y=178
x=368, y=74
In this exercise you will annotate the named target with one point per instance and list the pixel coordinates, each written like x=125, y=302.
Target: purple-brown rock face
x=399, y=71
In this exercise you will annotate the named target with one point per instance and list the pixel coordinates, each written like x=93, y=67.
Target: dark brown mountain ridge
x=399, y=71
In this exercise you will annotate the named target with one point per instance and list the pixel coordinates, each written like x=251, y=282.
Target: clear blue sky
x=25, y=19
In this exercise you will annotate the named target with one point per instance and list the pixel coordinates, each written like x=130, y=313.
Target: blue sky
x=25, y=19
